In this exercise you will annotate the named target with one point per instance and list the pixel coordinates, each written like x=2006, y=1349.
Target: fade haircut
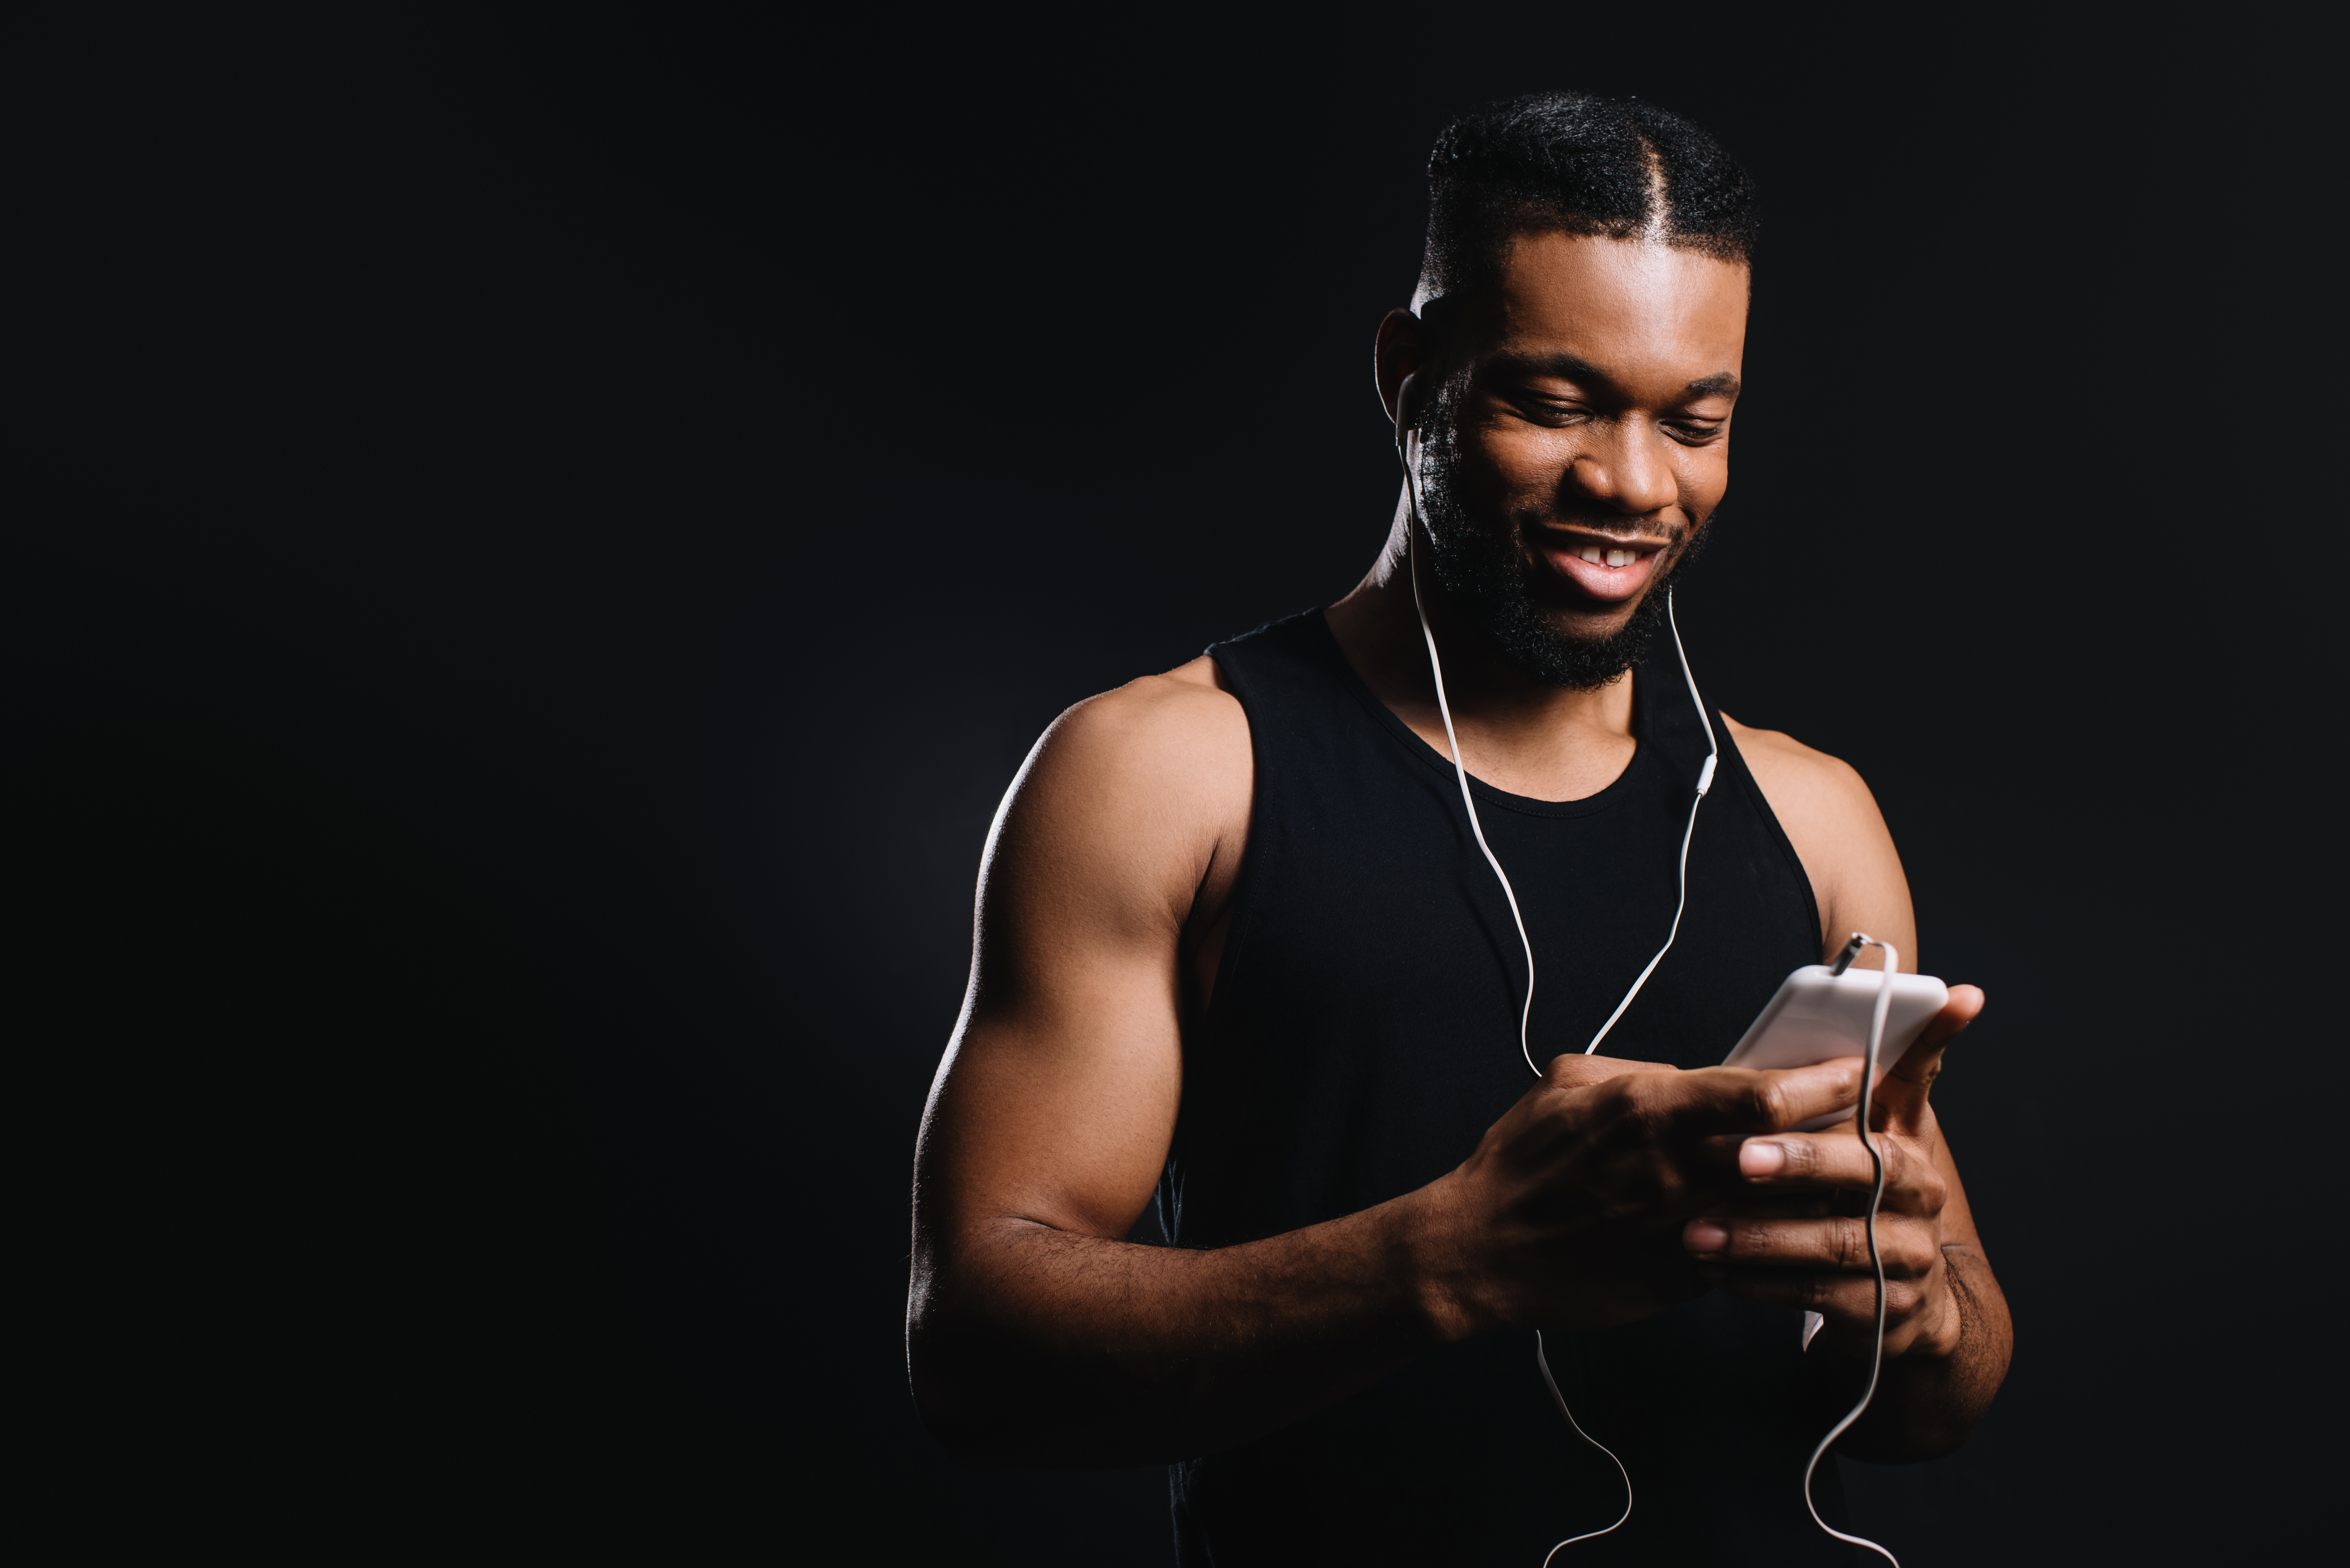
x=1571, y=163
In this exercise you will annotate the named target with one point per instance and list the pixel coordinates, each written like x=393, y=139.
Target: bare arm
x=1949, y=1336
x=1037, y=1334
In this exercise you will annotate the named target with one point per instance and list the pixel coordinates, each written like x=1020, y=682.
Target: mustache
x=1531, y=523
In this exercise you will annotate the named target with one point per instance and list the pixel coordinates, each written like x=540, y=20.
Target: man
x=1238, y=944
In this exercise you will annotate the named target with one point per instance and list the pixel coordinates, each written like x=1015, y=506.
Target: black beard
x=1485, y=573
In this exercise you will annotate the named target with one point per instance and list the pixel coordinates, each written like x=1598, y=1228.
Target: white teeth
x=1600, y=557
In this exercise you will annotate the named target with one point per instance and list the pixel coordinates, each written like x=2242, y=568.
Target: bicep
x=1058, y=1106
x=1057, y=1101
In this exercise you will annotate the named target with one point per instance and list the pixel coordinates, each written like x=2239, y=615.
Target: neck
x=1515, y=732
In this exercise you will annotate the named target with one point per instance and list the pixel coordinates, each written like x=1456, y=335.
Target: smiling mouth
x=1614, y=556
x=1610, y=569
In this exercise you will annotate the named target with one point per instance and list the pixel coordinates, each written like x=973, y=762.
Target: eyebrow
x=1573, y=367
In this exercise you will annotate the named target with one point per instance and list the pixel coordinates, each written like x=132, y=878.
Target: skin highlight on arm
x=1036, y=1334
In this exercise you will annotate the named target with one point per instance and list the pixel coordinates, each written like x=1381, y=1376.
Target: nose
x=1627, y=468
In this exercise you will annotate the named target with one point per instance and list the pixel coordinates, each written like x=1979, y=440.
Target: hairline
x=1455, y=302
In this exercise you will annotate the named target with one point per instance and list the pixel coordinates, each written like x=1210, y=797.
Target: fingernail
x=1704, y=1236
x=1758, y=1158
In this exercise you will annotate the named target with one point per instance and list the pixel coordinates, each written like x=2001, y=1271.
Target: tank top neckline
x=1616, y=790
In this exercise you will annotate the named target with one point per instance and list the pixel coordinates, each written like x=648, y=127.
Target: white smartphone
x=1819, y=1016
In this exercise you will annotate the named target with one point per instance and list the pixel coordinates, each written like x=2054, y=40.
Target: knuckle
x=1897, y=1246
x=1900, y=1249
x=1646, y=1107
x=1572, y=1070
x=1901, y=1166
x=1638, y=1102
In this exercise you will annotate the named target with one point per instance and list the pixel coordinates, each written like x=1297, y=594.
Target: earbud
x=1407, y=436
x=1407, y=424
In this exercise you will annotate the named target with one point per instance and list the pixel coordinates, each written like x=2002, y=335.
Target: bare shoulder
x=1828, y=815
x=1165, y=707
x=1136, y=789
x=1180, y=735
x=1801, y=781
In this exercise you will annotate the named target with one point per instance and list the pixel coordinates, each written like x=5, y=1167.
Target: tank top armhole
x=1201, y=1026
x=1738, y=770
x=1244, y=886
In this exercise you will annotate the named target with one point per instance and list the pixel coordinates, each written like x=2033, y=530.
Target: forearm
x=1929, y=1401
x=1032, y=1346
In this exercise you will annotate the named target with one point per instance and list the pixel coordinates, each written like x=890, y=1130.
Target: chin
x=1591, y=623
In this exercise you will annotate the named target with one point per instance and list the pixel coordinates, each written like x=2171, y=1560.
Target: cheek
x=1522, y=462
x=1704, y=477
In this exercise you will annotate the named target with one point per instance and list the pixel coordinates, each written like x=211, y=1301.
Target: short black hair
x=1573, y=163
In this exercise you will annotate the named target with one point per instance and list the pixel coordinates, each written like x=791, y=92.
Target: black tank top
x=1363, y=1033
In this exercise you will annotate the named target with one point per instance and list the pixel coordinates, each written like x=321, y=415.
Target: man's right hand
x=1568, y=1214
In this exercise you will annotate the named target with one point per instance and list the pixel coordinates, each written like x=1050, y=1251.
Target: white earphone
x=1407, y=439
x=1407, y=443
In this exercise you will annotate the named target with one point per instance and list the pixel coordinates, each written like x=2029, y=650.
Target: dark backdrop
x=539, y=546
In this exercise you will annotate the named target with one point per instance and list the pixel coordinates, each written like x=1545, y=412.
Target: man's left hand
x=1804, y=1241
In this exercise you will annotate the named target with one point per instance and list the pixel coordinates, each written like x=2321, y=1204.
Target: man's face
x=1576, y=440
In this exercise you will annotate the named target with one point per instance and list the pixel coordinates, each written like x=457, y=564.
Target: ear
x=1396, y=364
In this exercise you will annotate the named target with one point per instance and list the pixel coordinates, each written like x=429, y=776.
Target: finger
x=1913, y=1184
x=1580, y=1072
x=1900, y=1098
x=1844, y=1298
x=1836, y=1246
x=1741, y=1099
x=1750, y=1204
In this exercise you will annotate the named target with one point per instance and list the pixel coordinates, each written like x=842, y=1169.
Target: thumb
x=1900, y=1099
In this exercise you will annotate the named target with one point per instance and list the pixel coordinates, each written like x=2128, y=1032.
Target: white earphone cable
x=1876, y=1259
x=1550, y=1383
x=1477, y=827
x=1452, y=742
x=1704, y=782
x=1525, y=1016
x=1525, y=1013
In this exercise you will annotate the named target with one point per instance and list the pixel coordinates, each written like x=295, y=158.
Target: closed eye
x=1548, y=412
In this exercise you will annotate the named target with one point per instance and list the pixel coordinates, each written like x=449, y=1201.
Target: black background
x=539, y=546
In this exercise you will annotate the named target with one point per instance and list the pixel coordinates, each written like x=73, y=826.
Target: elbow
x=997, y=1377
x=958, y=1412
x=968, y=1440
